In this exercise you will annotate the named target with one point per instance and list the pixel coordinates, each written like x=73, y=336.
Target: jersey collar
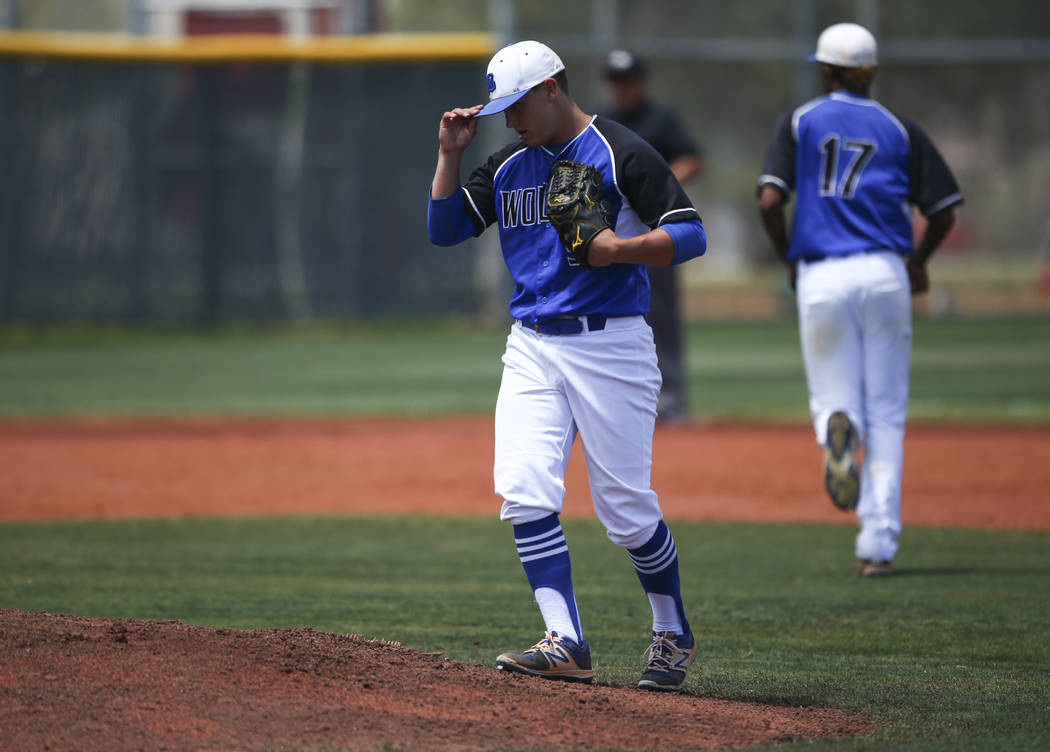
x=554, y=152
x=848, y=96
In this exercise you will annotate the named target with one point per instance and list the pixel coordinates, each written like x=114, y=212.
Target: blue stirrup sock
x=656, y=564
x=545, y=556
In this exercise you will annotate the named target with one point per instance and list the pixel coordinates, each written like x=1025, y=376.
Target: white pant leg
x=534, y=432
x=887, y=358
x=612, y=382
x=830, y=335
x=606, y=384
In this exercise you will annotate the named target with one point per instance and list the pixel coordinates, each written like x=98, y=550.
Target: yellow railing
x=369, y=48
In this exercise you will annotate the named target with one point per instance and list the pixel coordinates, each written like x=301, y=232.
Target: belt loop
x=596, y=323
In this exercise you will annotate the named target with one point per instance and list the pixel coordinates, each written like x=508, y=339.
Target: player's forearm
x=686, y=167
x=669, y=244
x=446, y=174
x=937, y=228
x=654, y=248
x=771, y=210
x=776, y=229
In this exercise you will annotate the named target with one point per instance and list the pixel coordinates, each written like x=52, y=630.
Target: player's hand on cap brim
x=460, y=116
x=458, y=127
x=465, y=112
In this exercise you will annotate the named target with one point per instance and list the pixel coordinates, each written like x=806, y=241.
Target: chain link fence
x=228, y=191
x=167, y=190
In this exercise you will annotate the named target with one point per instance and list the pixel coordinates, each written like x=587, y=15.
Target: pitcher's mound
x=97, y=684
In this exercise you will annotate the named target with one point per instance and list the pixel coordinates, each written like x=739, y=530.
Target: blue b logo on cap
x=490, y=81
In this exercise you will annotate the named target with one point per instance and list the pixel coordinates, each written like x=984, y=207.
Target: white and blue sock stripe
x=533, y=547
x=656, y=563
x=544, y=554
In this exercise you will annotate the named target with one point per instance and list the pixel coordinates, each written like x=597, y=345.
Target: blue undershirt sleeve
x=447, y=220
x=689, y=239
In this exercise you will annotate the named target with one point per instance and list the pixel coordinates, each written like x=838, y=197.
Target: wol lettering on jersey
x=524, y=206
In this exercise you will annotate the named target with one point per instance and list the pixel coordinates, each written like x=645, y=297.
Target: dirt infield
x=94, y=684
x=953, y=475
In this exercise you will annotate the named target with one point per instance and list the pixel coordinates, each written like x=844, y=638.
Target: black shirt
x=660, y=127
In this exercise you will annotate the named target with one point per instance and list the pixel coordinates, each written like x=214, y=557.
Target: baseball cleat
x=874, y=568
x=841, y=477
x=667, y=659
x=553, y=657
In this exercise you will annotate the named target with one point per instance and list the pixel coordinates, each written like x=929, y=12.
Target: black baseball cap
x=622, y=65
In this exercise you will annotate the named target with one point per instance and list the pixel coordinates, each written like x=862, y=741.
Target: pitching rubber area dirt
x=70, y=682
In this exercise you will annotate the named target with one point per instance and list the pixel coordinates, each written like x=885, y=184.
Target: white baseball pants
x=603, y=384
x=855, y=328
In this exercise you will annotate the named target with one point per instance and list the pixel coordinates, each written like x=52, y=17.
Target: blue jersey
x=857, y=169
x=509, y=189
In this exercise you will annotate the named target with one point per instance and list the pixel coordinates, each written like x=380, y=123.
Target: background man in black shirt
x=628, y=91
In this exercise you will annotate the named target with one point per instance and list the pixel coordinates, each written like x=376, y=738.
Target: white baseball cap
x=847, y=45
x=514, y=70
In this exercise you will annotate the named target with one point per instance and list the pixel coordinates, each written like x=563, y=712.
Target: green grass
x=378, y=371
x=951, y=654
x=963, y=368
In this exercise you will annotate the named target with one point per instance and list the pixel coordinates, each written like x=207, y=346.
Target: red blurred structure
x=283, y=17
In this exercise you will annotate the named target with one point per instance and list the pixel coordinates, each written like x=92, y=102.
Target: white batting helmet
x=848, y=45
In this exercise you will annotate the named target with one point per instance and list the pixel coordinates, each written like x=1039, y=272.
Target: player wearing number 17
x=582, y=205
x=857, y=168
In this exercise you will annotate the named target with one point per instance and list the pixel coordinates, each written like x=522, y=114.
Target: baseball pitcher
x=581, y=205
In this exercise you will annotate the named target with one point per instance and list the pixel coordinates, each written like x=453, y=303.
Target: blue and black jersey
x=857, y=169
x=509, y=190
